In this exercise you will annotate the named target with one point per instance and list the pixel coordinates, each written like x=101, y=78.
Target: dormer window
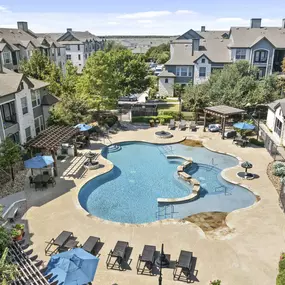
x=260, y=56
x=203, y=60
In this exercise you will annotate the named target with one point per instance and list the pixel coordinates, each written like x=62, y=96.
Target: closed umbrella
x=246, y=165
x=74, y=267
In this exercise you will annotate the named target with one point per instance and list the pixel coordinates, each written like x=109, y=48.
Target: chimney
x=255, y=23
x=23, y=26
x=203, y=28
x=195, y=45
x=283, y=23
x=69, y=30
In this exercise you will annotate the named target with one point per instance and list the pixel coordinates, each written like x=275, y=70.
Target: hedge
x=173, y=114
x=145, y=119
x=280, y=280
x=256, y=142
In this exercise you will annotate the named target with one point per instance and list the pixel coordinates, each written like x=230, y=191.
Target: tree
x=113, y=45
x=69, y=80
x=10, y=153
x=110, y=75
x=54, y=77
x=160, y=53
x=37, y=66
x=8, y=271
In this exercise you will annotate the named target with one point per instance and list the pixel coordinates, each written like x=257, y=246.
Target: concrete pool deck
x=248, y=254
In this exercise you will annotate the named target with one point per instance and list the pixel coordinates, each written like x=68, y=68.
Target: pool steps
x=114, y=148
x=186, y=177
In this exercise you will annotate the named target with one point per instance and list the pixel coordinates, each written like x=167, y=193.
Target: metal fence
x=282, y=196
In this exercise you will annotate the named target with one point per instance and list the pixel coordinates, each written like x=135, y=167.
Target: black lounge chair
x=119, y=253
x=184, y=263
x=90, y=244
x=182, y=125
x=171, y=125
x=147, y=257
x=58, y=243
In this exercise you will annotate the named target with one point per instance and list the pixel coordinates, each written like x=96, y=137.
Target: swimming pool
x=142, y=173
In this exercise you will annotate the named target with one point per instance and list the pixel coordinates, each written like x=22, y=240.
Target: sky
x=138, y=17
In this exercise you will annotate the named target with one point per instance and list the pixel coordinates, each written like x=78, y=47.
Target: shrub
x=278, y=164
x=173, y=114
x=256, y=142
x=146, y=119
x=216, y=282
x=280, y=280
x=282, y=265
x=279, y=171
x=110, y=121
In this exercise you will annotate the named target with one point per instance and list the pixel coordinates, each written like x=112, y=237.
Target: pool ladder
x=164, y=214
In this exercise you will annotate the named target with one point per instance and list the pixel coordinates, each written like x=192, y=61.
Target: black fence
x=282, y=196
x=144, y=111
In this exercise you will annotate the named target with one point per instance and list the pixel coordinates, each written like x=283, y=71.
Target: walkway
x=247, y=255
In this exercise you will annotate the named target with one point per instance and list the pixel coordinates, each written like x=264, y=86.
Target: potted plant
x=151, y=123
x=20, y=227
x=16, y=234
x=216, y=282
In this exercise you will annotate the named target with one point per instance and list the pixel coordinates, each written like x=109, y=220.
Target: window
x=79, y=57
x=278, y=127
x=203, y=60
x=7, y=57
x=15, y=137
x=68, y=57
x=28, y=133
x=8, y=112
x=52, y=51
x=240, y=53
x=39, y=124
x=14, y=58
x=202, y=72
x=24, y=104
x=183, y=71
x=67, y=47
x=85, y=55
x=58, y=51
x=166, y=80
x=260, y=56
x=36, y=98
x=21, y=86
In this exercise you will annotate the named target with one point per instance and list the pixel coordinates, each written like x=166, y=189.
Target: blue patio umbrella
x=74, y=267
x=83, y=127
x=39, y=162
x=244, y=126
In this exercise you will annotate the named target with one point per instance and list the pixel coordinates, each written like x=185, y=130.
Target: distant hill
x=139, y=44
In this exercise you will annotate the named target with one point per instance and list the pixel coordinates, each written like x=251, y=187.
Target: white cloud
x=141, y=15
x=144, y=21
x=185, y=12
x=112, y=23
x=3, y=9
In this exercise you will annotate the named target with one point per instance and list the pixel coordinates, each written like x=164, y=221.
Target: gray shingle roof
x=273, y=105
x=246, y=37
x=165, y=73
x=38, y=83
x=214, y=48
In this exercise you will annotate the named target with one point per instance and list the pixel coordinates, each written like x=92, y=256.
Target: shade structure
x=83, y=127
x=39, y=162
x=74, y=267
x=244, y=126
x=247, y=165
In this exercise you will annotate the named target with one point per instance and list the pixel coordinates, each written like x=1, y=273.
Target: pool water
x=142, y=173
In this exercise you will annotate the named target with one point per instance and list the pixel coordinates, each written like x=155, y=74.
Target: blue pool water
x=142, y=173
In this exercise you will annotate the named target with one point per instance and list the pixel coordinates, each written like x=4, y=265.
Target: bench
x=12, y=214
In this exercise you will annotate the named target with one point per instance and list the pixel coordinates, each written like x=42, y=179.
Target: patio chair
x=119, y=253
x=31, y=178
x=193, y=126
x=171, y=125
x=182, y=125
x=90, y=244
x=52, y=181
x=184, y=263
x=147, y=257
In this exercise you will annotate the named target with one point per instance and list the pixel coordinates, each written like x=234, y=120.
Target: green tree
x=37, y=66
x=110, y=75
x=70, y=79
x=54, y=77
x=155, y=53
x=113, y=45
x=10, y=154
x=8, y=271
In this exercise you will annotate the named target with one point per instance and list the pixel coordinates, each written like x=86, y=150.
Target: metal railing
x=162, y=213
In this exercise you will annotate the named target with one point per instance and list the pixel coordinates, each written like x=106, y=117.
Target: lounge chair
x=182, y=125
x=147, y=257
x=184, y=263
x=171, y=125
x=193, y=126
x=119, y=253
x=90, y=244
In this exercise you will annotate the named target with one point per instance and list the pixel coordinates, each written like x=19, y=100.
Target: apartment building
x=19, y=44
x=195, y=54
x=78, y=45
x=24, y=105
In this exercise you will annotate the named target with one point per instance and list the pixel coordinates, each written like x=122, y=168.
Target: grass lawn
x=168, y=108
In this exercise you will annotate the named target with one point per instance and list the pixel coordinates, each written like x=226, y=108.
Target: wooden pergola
x=52, y=138
x=222, y=111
